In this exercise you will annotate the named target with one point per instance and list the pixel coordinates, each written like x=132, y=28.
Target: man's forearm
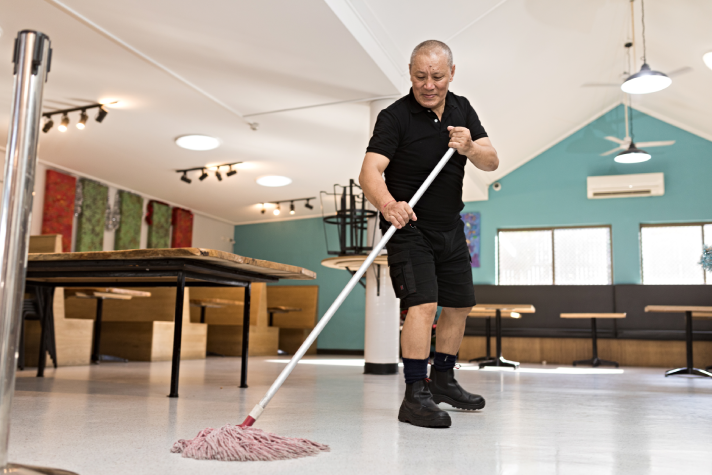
x=483, y=157
x=375, y=189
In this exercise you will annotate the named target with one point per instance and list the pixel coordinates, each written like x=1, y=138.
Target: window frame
x=553, y=253
x=701, y=224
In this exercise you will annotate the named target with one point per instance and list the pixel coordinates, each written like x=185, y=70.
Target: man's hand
x=460, y=140
x=398, y=213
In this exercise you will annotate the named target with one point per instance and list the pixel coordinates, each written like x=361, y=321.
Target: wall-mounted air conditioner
x=625, y=186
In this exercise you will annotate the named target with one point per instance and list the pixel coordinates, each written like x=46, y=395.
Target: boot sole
x=468, y=407
x=442, y=422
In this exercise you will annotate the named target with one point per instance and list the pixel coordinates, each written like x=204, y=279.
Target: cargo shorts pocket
x=402, y=276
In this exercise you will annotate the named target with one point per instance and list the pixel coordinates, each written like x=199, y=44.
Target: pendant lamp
x=646, y=80
x=632, y=155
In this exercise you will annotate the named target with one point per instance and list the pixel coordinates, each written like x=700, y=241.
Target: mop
x=243, y=442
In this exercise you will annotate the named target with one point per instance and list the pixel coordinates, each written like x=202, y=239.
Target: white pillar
x=382, y=307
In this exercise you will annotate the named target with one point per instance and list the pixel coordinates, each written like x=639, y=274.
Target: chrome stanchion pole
x=31, y=58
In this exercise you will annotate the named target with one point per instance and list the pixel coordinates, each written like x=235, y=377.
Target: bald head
x=430, y=47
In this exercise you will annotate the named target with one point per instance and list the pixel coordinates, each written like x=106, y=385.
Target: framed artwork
x=472, y=234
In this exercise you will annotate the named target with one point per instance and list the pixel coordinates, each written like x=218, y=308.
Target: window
x=670, y=254
x=555, y=256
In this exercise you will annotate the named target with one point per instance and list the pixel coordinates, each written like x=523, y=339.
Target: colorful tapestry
x=58, y=210
x=158, y=217
x=472, y=234
x=92, y=218
x=128, y=234
x=182, y=228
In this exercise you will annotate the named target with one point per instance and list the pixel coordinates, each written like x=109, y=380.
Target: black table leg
x=177, y=334
x=202, y=314
x=245, y=336
x=595, y=361
x=690, y=369
x=45, y=301
x=97, y=331
x=271, y=319
x=488, y=344
x=499, y=359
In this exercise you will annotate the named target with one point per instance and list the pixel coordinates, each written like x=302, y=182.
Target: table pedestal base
x=692, y=371
x=30, y=470
x=501, y=362
x=595, y=362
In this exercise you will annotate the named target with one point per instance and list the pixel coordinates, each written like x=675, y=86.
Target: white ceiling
x=520, y=62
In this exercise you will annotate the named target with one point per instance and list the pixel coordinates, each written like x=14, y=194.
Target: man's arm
x=374, y=187
x=480, y=152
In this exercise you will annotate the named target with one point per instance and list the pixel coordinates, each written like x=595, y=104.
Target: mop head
x=242, y=444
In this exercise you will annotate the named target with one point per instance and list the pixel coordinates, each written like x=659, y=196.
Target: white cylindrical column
x=382, y=334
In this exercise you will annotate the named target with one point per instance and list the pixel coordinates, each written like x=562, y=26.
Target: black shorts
x=431, y=266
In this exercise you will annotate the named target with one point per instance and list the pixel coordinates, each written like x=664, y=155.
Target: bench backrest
x=305, y=297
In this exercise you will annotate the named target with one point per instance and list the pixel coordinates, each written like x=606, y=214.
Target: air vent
x=626, y=186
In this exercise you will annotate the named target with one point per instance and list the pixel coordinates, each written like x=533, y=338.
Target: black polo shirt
x=414, y=140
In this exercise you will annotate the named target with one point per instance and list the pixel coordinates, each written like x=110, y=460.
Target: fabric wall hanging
x=182, y=221
x=158, y=217
x=472, y=234
x=58, y=210
x=92, y=198
x=128, y=234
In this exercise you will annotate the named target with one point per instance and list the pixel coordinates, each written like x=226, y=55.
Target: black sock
x=444, y=362
x=415, y=370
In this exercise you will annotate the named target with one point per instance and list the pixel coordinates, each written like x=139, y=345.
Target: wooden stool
x=100, y=295
x=500, y=310
x=595, y=361
x=689, y=312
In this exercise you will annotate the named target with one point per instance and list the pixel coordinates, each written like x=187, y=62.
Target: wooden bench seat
x=294, y=326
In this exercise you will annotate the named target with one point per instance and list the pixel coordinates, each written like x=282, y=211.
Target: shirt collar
x=416, y=107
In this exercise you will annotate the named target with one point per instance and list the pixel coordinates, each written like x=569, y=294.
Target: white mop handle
x=257, y=411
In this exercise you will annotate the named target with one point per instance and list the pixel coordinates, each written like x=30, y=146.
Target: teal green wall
x=301, y=243
x=550, y=190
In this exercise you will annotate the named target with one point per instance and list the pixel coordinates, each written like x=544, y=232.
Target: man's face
x=431, y=76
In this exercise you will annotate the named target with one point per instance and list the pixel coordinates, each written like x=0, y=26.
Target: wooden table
x=500, y=311
x=212, y=303
x=192, y=267
x=352, y=263
x=101, y=294
x=280, y=309
x=689, y=311
x=488, y=314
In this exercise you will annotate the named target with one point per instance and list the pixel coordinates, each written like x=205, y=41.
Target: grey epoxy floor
x=116, y=419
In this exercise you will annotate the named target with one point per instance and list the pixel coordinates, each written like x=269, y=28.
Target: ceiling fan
x=629, y=151
x=646, y=80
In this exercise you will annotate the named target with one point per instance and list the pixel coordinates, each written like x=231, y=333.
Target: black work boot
x=445, y=388
x=419, y=409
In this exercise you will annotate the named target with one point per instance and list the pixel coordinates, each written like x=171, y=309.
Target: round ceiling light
x=646, y=81
x=274, y=180
x=632, y=155
x=197, y=142
x=707, y=58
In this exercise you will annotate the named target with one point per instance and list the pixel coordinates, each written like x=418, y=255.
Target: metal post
x=688, y=338
x=488, y=333
x=245, y=336
x=97, y=331
x=594, y=332
x=32, y=55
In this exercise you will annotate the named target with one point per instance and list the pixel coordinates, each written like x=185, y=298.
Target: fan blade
x=680, y=72
x=655, y=144
x=601, y=84
x=615, y=139
x=613, y=151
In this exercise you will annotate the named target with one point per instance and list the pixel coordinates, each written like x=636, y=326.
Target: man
x=428, y=256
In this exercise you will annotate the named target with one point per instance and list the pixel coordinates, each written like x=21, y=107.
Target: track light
x=185, y=178
x=82, y=120
x=102, y=114
x=231, y=172
x=218, y=175
x=263, y=208
x=64, y=124
x=308, y=206
x=276, y=210
x=203, y=176
x=48, y=125
x=291, y=208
